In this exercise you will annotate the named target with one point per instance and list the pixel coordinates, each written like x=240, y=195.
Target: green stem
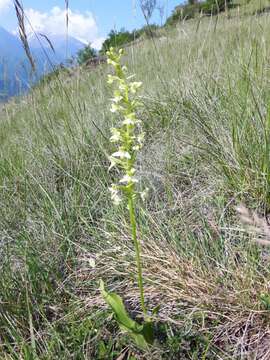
x=137, y=248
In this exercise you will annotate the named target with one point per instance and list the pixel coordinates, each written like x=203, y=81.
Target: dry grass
x=205, y=153
x=255, y=224
x=215, y=300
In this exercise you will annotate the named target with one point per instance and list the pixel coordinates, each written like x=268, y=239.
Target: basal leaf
x=116, y=303
x=148, y=332
x=142, y=334
x=138, y=338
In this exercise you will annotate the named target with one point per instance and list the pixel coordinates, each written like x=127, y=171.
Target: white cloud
x=82, y=26
x=97, y=43
x=4, y=4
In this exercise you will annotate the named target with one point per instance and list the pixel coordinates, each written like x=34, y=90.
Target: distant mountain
x=15, y=71
x=63, y=49
x=11, y=57
x=10, y=44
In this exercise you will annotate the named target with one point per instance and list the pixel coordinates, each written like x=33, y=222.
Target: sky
x=89, y=20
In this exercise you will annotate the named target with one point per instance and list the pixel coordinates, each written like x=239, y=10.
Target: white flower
x=115, y=194
x=117, y=99
x=129, y=121
x=110, y=79
x=122, y=86
x=127, y=179
x=113, y=162
x=136, y=147
x=140, y=138
x=114, y=108
x=111, y=62
x=116, y=135
x=128, y=134
x=134, y=86
x=122, y=155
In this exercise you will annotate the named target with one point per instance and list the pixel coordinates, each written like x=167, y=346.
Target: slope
x=205, y=110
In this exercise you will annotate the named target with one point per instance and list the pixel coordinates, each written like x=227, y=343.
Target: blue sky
x=90, y=20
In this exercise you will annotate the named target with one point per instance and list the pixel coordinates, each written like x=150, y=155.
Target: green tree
x=117, y=39
x=85, y=54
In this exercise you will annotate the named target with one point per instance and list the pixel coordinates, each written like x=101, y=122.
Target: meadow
x=206, y=117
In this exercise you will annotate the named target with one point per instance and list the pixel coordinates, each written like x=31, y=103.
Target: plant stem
x=137, y=248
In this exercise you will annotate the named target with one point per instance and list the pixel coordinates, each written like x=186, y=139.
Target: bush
x=213, y=6
x=118, y=38
x=193, y=8
x=86, y=54
x=185, y=12
x=190, y=11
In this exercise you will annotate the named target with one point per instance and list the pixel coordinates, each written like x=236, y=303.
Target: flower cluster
x=128, y=136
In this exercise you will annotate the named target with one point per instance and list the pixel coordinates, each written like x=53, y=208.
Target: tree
x=118, y=38
x=86, y=54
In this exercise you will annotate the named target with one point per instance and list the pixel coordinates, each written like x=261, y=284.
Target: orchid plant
x=128, y=138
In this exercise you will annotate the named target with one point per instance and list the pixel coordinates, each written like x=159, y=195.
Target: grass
x=206, y=101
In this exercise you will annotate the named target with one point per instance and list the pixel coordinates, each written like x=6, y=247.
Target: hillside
x=205, y=111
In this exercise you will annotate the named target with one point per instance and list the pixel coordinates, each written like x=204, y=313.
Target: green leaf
x=139, y=338
x=142, y=334
x=148, y=332
x=116, y=303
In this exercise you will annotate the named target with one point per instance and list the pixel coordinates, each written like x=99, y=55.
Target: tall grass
x=207, y=125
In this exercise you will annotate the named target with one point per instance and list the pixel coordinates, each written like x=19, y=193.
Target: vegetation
x=86, y=54
x=128, y=137
x=205, y=114
x=193, y=8
x=118, y=39
x=124, y=37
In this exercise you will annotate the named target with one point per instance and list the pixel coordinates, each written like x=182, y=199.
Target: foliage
x=142, y=334
x=194, y=8
x=118, y=38
x=86, y=54
x=123, y=37
x=185, y=12
x=214, y=6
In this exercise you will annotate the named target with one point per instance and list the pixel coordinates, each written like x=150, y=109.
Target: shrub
x=188, y=11
x=118, y=38
x=213, y=6
x=86, y=54
x=193, y=8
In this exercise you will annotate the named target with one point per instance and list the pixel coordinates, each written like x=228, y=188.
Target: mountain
x=11, y=57
x=15, y=70
x=9, y=44
x=62, y=49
